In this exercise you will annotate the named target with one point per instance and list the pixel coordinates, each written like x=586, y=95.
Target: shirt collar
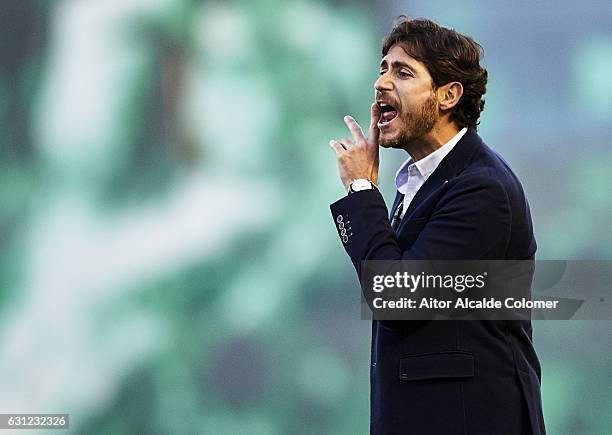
x=427, y=164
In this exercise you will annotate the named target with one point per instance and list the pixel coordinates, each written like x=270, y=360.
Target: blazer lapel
x=398, y=197
x=449, y=167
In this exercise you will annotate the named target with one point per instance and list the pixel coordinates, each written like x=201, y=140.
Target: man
x=457, y=200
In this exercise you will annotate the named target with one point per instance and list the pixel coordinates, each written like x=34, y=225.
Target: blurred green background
x=169, y=263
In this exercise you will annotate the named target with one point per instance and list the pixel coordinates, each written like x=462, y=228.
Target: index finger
x=373, y=133
x=354, y=128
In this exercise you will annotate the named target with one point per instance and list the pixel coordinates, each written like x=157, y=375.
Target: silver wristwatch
x=360, y=184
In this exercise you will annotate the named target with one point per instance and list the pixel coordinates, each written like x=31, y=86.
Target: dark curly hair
x=449, y=56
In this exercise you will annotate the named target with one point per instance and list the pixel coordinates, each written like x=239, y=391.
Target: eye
x=403, y=74
x=382, y=71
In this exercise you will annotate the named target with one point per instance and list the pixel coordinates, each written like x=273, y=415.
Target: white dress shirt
x=412, y=175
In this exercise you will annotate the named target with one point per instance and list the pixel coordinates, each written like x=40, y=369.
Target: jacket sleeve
x=471, y=221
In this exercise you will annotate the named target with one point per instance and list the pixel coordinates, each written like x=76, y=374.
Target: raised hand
x=358, y=158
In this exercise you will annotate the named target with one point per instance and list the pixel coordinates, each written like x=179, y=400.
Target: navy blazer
x=450, y=377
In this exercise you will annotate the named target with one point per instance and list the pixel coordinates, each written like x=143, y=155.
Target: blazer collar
x=452, y=165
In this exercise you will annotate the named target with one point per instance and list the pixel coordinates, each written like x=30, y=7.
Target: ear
x=449, y=95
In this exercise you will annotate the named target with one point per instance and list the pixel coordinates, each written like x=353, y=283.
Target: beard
x=414, y=124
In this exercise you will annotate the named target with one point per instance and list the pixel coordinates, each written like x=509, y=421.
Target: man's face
x=405, y=95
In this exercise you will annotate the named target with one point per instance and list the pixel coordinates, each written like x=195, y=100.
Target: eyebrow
x=398, y=64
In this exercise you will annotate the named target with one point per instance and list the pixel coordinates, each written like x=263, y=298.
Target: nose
x=383, y=83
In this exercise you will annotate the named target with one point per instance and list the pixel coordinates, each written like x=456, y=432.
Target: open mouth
x=388, y=114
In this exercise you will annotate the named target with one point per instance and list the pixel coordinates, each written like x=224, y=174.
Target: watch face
x=361, y=184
